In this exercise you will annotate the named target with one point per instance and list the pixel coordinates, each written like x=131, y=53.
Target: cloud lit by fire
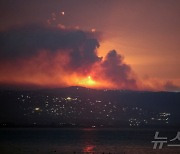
x=59, y=57
x=55, y=57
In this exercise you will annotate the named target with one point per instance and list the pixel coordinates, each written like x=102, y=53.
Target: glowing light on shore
x=68, y=98
x=37, y=109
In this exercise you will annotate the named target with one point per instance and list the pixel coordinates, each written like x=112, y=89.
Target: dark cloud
x=80, y=46
x=28, y=40
x=117, y=71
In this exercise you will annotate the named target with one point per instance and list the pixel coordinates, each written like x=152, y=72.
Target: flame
x=47, y=70
x=87, y=81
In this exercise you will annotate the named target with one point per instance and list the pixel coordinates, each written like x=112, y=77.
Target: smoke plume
x=50, y=56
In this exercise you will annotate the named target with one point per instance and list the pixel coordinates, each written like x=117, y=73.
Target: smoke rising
x=117, y=71
x=62, y=55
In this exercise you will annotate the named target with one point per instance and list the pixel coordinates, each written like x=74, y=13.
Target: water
x=79, y=141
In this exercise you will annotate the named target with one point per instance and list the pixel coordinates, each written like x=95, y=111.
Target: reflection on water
x=79, y=141
x=89, y=148
x=90, y=137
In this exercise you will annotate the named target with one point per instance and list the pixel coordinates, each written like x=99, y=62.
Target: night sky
x=121, y=44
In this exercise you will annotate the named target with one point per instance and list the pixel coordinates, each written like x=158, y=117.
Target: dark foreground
x=79, y=141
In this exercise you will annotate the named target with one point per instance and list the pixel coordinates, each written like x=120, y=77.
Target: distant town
x=83, y=107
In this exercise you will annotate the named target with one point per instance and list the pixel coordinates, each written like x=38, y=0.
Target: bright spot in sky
x=62, y=13
x=93, y=30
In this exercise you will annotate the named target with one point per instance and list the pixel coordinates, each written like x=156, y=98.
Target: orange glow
x=88, y=81
x=45, y=70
